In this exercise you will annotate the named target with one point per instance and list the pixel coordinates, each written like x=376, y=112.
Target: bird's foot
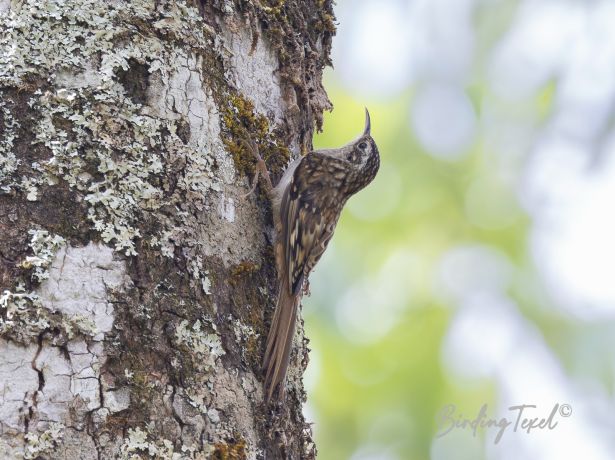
x=261, y=167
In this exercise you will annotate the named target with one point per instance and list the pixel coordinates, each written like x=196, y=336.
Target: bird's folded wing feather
x=304, y=236
x=309, y=224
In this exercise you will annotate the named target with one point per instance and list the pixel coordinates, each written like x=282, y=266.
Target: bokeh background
x=479, y=267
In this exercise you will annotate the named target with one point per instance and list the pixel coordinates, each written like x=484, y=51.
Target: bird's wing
x=308, y=215
x=311, y=216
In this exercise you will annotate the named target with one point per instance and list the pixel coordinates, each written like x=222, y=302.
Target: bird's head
x=362, y=158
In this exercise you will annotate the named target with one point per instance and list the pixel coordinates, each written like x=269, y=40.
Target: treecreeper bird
x=307, y=203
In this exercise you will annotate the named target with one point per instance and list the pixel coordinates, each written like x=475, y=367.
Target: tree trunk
x=137, y=283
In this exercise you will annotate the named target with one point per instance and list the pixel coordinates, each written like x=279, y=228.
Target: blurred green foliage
x=386, y=393
x=534, y=90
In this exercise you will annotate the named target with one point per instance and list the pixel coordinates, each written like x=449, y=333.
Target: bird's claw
x=261, y=167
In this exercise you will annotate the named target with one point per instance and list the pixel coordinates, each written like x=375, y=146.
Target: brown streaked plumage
x=307, y=204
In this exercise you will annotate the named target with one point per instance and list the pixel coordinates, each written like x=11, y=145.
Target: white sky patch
x=444, y=120
x=489, y=338
x=483, y=333
x=532, y=375
x=373, y=46
x=309, y=414
x=444, y=38
x=383, y=45
x=467, y=271
x=572, y=239
x=541, y=39
x=587, y=86
x=589, y=71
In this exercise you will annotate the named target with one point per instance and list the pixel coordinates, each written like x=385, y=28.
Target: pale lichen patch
x=8, y=161
x=202, y=342
x=198, y=272
x=44, y=246
x=80, y=283
x=105, y=144
x=21, y=314
x=205, y=345
x=38, y=444
x=140, y=444
x=120, y=107
x=245, y=335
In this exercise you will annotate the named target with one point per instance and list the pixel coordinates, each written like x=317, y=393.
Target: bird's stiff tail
x=280, y=340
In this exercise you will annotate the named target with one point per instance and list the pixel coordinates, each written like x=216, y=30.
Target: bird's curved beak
x=368, y=123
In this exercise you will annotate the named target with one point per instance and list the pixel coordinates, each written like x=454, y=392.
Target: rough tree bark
x=136, y=284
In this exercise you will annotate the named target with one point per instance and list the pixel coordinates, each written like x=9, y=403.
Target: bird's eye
x=363, y=145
